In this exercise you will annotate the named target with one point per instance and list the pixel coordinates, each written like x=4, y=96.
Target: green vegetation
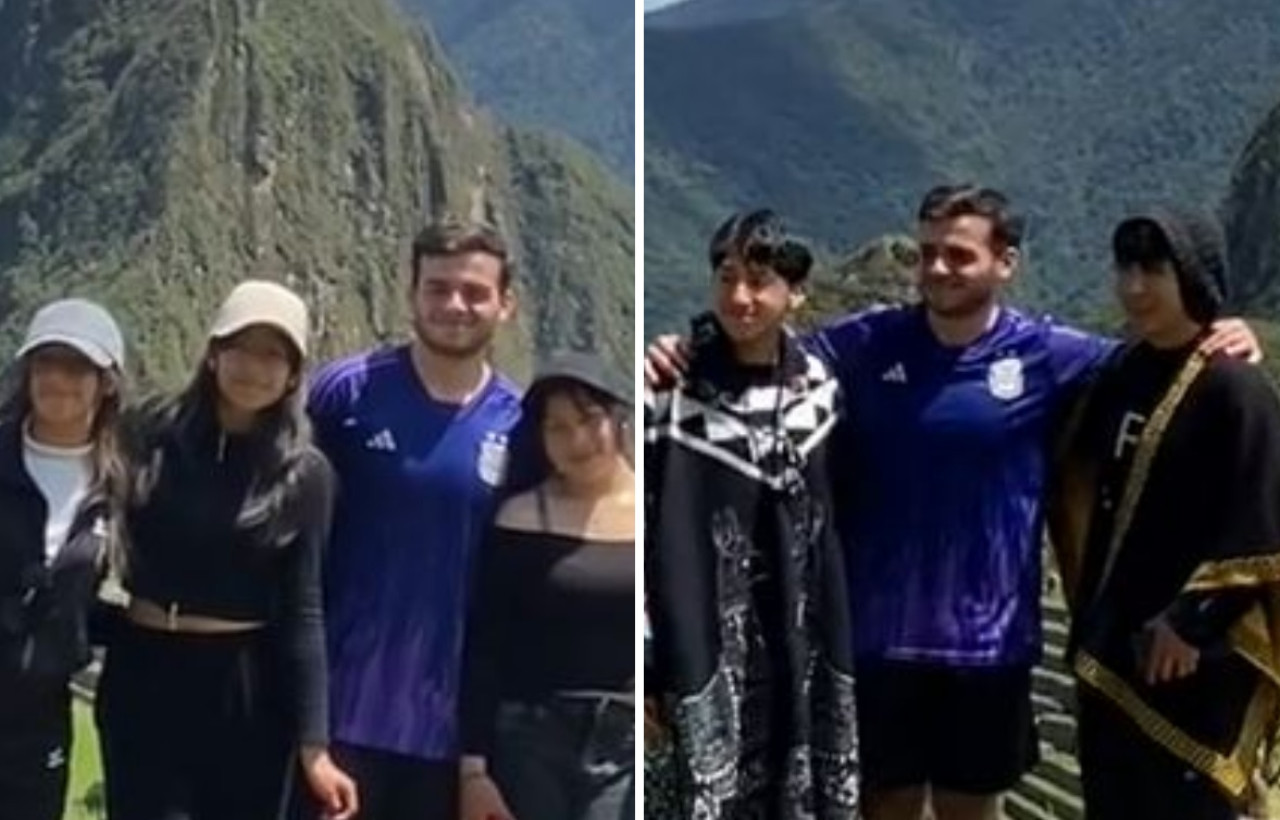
x=153, y=152
x=882, y=270
x=580, y=247
x=84, y=797
x=567, y=65
x=841, y=115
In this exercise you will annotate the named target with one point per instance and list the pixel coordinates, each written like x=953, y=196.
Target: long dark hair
x=282, y=437
x=528, y=466
x=109, y=480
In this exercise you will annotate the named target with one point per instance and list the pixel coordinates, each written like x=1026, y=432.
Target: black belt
x=621, y=699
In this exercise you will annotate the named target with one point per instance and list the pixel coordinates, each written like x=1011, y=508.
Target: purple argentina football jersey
x=941, y=504
x=415, y=499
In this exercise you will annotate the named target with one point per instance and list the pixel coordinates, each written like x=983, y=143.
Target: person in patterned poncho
x=749, y=685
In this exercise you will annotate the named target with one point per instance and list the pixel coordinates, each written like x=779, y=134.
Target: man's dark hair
x=1141, y=243
x=452, y=236
x=760, y=238
x=953, y=201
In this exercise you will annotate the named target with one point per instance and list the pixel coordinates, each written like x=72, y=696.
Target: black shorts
x=964, y=730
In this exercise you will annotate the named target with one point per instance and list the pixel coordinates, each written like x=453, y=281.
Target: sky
x=650, y=5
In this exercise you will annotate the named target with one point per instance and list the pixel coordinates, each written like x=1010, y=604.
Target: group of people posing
x=843, y=535
x=397, y=589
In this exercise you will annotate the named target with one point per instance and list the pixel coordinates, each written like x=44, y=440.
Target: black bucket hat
x=528, y=465
x=585, y=369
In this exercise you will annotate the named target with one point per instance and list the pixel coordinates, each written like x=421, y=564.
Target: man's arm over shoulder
x=1075, y=356
x=657, y=407
x=841, y=343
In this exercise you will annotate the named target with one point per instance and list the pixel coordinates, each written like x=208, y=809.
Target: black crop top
x=187, y=549
x=551, y=613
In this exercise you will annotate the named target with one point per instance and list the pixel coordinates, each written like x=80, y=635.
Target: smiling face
x=1152, y=301
x=459, y=301
x=579, y=435
x=1148, y=285
x=751, y=300
x=963, y=267
x=64, y=386
x=254, y=369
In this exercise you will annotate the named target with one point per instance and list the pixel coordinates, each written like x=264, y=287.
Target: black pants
x=192, y=727
x=1127, y=775
x=35, y=749
x=567, y=759
x=391, y=786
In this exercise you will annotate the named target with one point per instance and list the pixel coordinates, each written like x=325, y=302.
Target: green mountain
x=1252, y=216
x=567, y=65
x=153, y=152
x=842, y=113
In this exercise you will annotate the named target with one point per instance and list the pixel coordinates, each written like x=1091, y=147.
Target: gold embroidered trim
x=1258, y=728
x=1227, y=772
x=1148, y=444
x=1252, y=637
x=1236, y=572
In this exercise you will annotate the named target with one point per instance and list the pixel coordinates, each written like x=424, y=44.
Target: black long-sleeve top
x=193, y=546
x=552, y=613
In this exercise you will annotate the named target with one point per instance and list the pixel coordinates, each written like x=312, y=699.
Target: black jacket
x=44, y=608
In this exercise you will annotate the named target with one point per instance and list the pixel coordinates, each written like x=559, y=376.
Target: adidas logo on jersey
x=896, y=374
x=381, y=441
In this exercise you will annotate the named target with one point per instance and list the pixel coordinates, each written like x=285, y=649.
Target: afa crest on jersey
x=491, y=466
x=1005, y=379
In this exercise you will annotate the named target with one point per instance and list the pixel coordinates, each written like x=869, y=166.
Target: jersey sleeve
x=327, y=399
x=1076, y=356
x=841, y=343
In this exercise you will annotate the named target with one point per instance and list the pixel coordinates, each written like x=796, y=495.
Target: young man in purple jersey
x=950, y=409
x=417, y=436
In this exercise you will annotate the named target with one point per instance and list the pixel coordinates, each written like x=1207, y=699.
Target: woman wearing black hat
x=215, y=679
x=60, y=481
x=548, y=711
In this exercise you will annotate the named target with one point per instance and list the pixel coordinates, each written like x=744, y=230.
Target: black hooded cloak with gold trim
x=1185, y=525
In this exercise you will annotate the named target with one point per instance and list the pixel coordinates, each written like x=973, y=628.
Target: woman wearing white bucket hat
x=215, y=681
x=61, y=479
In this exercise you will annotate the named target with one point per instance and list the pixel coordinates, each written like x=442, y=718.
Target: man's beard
x=970, y=302
x=459, y=352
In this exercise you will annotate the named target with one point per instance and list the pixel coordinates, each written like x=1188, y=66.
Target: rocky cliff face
x=1253, y=223
x=563, y=64
x=153, y=152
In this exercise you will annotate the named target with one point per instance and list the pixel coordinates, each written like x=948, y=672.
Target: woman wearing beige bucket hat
x=60, y=483
x=215, y=680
